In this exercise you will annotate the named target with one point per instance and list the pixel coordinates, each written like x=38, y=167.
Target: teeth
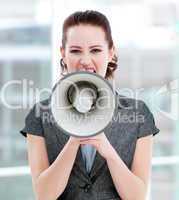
x=91, y=70
x=88, y=70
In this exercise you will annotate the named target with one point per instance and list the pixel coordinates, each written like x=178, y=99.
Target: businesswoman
x=114, y=164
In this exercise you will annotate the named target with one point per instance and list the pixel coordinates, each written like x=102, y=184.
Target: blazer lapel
x=79, y=167
x=79, y=163
x=99, y=161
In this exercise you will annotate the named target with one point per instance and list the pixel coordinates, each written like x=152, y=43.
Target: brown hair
x=95, y=18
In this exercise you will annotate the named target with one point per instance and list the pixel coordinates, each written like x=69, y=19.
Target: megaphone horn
x=82, y=104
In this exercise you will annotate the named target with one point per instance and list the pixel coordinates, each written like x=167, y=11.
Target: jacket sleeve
x=33, y=123
x=147, y=123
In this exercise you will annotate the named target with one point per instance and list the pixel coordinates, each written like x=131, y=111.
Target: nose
x=85, y=61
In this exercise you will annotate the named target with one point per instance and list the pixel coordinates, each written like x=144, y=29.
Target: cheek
x=102, y=62
x=71, y=62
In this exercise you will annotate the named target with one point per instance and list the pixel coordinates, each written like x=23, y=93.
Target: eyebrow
x=93, y=46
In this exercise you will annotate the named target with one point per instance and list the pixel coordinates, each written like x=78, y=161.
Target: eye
x=96, y=50
x=76, y=51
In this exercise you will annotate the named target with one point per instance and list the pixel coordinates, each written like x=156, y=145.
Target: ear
x=111, y=53
x=62, y=51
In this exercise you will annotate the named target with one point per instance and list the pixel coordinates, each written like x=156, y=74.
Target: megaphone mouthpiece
x=82, y=95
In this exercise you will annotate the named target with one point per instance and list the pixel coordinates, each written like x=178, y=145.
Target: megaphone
x=82, y=104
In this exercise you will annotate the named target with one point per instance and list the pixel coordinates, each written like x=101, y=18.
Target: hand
x=100, y=142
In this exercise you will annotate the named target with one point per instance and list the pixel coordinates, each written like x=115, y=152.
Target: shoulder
x=42, y=106
x=132, y=104
x=136, y=112
x=38, y=111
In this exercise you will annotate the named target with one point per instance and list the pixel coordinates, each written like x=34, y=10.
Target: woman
x=112, y=165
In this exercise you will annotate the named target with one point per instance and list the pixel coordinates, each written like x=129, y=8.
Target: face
x=86, y=50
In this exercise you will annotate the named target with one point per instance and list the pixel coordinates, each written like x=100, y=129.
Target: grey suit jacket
x=131, y=121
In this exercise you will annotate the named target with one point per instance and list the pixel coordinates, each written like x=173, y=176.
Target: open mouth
x=89, y=69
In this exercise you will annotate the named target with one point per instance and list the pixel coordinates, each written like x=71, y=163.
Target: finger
x=89, y=139
x=93, y=143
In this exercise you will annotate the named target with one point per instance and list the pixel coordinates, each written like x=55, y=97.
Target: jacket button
x=87, y=187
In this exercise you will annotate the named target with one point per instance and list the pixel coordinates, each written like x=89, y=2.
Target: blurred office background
x=146, y=34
